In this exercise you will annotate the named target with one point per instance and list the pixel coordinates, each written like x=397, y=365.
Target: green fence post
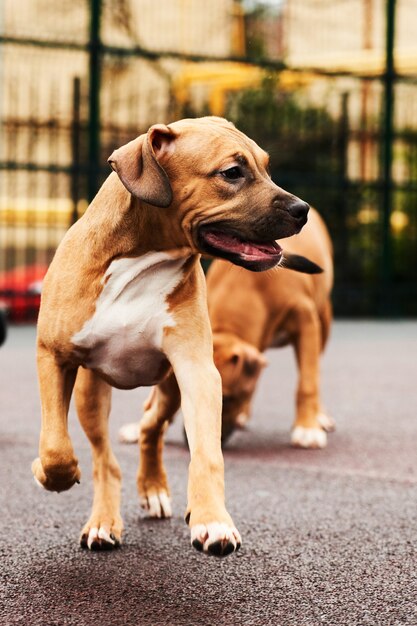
x=94, y=99
x=75, y=147
x=386, y=303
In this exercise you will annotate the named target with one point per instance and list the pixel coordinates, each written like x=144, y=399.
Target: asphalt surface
x=329, y=537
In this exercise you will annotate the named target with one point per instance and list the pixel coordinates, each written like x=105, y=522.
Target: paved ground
x=330, y=537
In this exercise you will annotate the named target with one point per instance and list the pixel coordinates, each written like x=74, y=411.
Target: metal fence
x=80, y=78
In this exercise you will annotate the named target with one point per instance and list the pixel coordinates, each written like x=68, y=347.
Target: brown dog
x=251, y=312
x=124, y=305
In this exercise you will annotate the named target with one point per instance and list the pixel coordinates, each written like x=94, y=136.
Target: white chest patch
x=123, y=339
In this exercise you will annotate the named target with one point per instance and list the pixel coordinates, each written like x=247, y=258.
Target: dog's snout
x=299, y=210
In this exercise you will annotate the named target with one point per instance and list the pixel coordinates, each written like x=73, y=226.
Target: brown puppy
x=251, y=312
x=124, y=305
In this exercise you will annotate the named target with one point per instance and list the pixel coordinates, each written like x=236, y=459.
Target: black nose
x=299, y=210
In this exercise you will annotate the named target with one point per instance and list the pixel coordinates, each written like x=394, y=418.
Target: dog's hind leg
x=56, y=469
x=93, y=400
x=326, y=315
x=152, y=481
x=307, y=431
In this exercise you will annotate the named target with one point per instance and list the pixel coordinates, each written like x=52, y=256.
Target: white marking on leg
x=308, y=437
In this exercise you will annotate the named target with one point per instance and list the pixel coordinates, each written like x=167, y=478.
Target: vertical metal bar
x=75, y=147
x=94, y=97
x=343, y=147
x=388, y=139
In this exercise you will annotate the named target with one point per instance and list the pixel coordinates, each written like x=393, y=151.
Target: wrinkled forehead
x=218, y=140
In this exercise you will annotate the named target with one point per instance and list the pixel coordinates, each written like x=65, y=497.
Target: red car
x=20, y=292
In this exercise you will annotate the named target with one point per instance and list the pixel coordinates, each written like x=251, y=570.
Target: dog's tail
x=299, y=264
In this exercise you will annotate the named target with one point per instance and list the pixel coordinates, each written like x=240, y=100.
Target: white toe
x=92, y=535
x=207, y=534
x=129, y=433
x=38, y=482
x=165, y=504
x=326, y=422
x=158, y=505
x=154, y=506
x=103, y=534
x=241, y=420
x=308, y=437
x=199, y=532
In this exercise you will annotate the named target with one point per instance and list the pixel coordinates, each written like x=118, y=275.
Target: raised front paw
x=215, y=538
x=56, y=477
x=102, y=532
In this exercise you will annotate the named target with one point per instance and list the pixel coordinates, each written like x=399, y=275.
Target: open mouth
x=231, y=246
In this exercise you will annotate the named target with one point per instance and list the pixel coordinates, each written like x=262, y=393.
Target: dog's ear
x=137, y=165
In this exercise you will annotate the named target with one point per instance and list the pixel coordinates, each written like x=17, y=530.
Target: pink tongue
x=245, y=248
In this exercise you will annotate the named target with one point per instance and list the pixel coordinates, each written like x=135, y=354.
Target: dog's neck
x=132, y=227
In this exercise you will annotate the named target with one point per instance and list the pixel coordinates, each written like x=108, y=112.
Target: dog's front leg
x=56, y=469
x=190, y=353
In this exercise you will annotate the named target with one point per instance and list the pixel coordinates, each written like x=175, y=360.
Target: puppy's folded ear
x=137, y=165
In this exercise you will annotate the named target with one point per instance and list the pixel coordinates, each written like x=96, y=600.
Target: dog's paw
x=308, y=437
x=215, y=538
x=326, y=422
x=56, y=477
x=101, y=534
x=157, y=503
x=129, y=433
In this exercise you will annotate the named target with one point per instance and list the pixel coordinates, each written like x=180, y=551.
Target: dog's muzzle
x=230, y=245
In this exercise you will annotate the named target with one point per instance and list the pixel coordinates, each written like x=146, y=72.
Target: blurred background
x=328, y=87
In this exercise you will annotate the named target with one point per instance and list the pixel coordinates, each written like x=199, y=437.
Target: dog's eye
x=233, y=173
